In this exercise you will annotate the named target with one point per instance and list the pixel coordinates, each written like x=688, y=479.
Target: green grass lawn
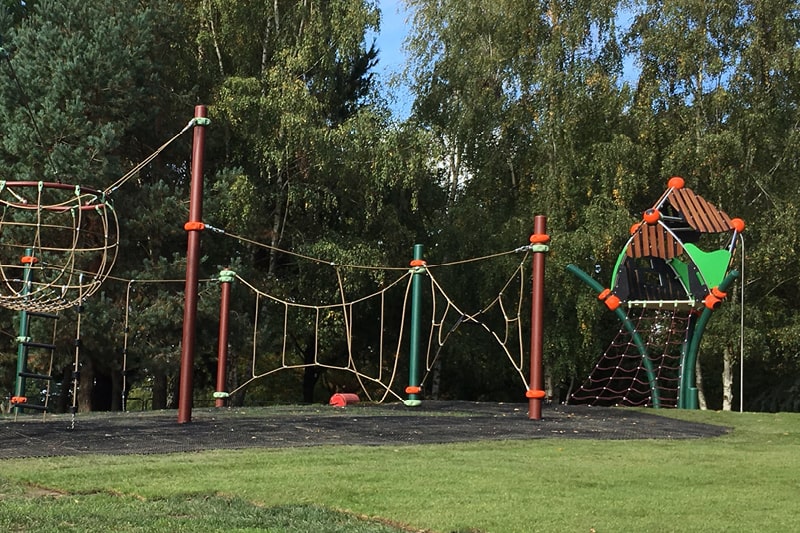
x=748, y=480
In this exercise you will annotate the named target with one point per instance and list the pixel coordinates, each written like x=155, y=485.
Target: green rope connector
x=202, y=121
x=226, y=276
x=540, y=248
x=221, y=395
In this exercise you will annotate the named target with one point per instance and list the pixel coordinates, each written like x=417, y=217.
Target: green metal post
x=687, y=395
x=22, y=352
x=416, y=310
x=687, y=342
x=637, y=340
x=226, y=277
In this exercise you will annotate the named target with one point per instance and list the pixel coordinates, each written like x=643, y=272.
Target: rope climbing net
x=336, y=332
x=59, y=242
x=621, y=375
x=329, y=345
x=500, y=318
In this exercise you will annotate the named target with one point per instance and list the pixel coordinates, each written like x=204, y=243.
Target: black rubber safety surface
x=356, y=424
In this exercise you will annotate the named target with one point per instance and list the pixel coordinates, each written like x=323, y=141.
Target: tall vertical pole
x=225, y=279
x=539, y=246
x=22, y=353
x=687, y=395
x=418, y=268
x=193, y=228
x=76, y=364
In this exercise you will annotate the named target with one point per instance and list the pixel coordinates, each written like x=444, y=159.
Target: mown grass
x=746, y=480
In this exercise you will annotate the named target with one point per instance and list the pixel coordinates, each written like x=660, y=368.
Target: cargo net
x=319, y=340
x=335, y=332
x=58, y=243
x=359, y=340
x=621, y=376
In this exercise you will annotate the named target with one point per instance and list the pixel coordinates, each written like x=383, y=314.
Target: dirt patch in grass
x=356, y=424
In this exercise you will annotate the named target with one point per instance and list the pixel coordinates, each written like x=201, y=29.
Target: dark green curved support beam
x=687, y=395
x=648, y=365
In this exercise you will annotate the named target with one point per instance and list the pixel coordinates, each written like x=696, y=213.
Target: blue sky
x=391, y=58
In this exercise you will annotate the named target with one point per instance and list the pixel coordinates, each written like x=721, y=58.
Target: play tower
x=672, y=273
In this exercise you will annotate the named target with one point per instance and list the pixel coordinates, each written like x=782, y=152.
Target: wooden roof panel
x=699, y=213
x=654, y=241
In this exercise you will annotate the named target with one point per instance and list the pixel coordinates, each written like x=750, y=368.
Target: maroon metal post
x=193, y=228
x=539, y=246
x=225, y=279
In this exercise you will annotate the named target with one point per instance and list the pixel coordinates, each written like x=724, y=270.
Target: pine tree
x=81, y=101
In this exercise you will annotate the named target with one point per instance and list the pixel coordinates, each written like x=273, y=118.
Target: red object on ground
x=341, y=399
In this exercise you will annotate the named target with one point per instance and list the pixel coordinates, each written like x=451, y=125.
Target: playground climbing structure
x=672, y=273
x=58, y=244
x=388, y=310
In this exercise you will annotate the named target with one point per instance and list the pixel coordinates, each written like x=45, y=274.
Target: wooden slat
x=653, y=241
x=684, y=201
x=660, y=241
x=699, y=213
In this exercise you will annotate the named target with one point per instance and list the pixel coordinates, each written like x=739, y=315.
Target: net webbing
x=59, y=244
x=620, y=376
x=274, y=348
x=501, y=318
x=376, y=369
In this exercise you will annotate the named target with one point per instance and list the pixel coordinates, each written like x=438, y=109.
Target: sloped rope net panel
x=374, y=372
x=58, y=242
x=620, y=377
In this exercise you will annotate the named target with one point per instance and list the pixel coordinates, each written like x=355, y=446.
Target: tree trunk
x=64, y=400
x=436, y=379
x=278, y=222
x=455, y=173
x=551, y=392
x=727, y=378
x=701, y=396
x=236, y=400
x=86, y=382
x=116, y=390
x=311, y=373
x=172, y=393
x=159, y=390
x=215, y=40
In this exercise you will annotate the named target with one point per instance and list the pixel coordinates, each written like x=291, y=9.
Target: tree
x=309, y=160
x=94, y=116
